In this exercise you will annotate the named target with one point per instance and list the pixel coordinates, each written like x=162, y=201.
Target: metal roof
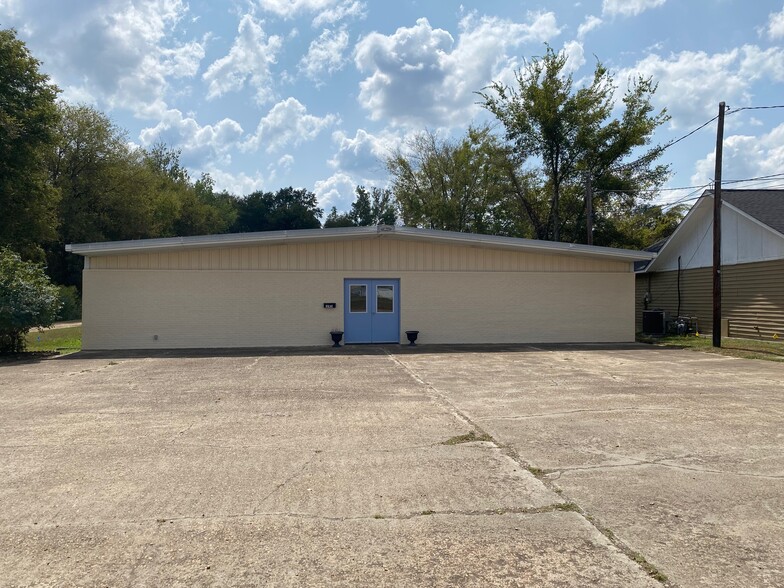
x=347, y=233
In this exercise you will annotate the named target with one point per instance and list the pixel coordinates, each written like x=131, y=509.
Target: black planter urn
x=412, y=337
x=336, y=337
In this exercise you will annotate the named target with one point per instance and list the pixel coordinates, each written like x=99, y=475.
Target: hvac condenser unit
x=653, y=322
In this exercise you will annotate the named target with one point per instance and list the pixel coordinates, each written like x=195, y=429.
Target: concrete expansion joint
x=509, y=451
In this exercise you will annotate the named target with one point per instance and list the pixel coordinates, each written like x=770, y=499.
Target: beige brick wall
x=125, y=309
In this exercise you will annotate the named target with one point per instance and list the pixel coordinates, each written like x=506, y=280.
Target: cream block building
x=291, y=288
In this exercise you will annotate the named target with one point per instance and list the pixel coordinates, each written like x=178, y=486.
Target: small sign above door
x=330, y=305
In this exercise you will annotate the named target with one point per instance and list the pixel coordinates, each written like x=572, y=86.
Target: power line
x=734, y=110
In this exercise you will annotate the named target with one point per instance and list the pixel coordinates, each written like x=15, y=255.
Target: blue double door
x=372, y=311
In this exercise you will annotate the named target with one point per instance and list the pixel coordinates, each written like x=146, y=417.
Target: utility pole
x=589, y=207
x=717, y=231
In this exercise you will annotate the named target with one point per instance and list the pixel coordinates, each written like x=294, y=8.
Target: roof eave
x=272, y=237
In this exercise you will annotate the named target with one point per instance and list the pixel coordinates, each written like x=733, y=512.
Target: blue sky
x=264, y=94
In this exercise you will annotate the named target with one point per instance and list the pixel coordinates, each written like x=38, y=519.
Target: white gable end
x=744, y=240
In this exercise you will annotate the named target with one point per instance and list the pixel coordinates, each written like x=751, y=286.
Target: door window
x=358, y=298
x=385, y=299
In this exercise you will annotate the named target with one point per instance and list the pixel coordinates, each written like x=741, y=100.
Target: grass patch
x=567, y=507
x=61, y=341
x=744, y=348
x=649, y=568
x=468, y=438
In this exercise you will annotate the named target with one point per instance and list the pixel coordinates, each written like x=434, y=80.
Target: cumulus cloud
x=420, y=75
x=337, y=190
x=123, y=53
x=364, y=153
x=283, y=164
x=628, y=7
x=240, y=184
x=287, y=123
x=199, y=143
x=328, y=11
x=325, y=54
x=745, y=156
x=575, y=56
x=692, y=83
x=590, y=23
x=248, y=60
x=776, y=25
x=342, y=11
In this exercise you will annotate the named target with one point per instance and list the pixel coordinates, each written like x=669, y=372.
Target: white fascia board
x=380, y=231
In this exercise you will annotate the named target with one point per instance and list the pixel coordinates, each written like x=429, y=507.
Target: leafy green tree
x=372, y=207
x=203, y=211
x=376, y=207
x=338, y=219
x=283, y=210
x=570, y=136
x=27, y=299
x=28, y=115
x=453, y=185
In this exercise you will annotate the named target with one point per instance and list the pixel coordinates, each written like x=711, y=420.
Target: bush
x=27, y=299
x=70, y=304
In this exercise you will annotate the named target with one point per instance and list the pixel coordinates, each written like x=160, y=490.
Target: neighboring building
x=752, y=254
x=290, y=288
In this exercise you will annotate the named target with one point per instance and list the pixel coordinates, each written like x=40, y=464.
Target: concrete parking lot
x=556, y=466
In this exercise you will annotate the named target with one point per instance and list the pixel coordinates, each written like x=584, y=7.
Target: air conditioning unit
x=654, y=322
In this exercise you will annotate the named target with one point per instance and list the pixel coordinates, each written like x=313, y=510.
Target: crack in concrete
x=509, y=451
x=663, y=463
x=578, y=410
x=298, y=472
x=557, y=507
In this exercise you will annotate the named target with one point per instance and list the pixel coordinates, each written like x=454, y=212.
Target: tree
x=337, y=219
x=570, y=135
x=27, y=299
x=283, y=210
x=370, y=208
x=28, y=114
x=452, y=185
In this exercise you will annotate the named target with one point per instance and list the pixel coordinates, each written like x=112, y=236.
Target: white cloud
x=629, y=7
x=757, y=63
x=364, y=154
x=288, y=123
x=337, y=190
x=419, y=75
x=776, y=25
x=199, y=143
x=328, y=11
x=344, y=10
x=575, y=56
x=240, y=184
x=123, y=54
x=590, y=23
x=745, y=156
x=283, y=164
x=248, y=60
x=325, y=54
x=691, y=84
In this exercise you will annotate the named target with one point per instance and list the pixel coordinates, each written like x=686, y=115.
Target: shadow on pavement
x=350, y=350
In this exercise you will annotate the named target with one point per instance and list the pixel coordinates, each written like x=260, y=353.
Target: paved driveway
x=355, y=467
